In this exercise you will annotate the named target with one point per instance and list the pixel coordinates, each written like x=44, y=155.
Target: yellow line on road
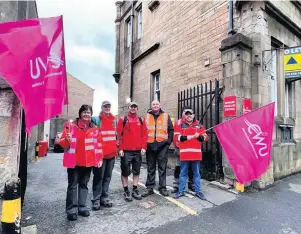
x=172, y=200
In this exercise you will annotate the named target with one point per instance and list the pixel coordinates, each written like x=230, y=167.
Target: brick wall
x=78, y=94
x=189, y=33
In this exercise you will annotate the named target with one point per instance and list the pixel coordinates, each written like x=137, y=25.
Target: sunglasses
x=107, y=106
x=188, y=113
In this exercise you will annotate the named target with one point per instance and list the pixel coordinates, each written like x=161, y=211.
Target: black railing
x=204, y=99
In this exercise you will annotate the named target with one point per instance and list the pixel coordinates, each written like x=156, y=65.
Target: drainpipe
x=132, y=53
x=230, y=18
x=116, y=75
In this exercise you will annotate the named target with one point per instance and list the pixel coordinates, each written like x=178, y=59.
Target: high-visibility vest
x=190, y=150
x=93, y=148
x=107, y=130
x=157, y=130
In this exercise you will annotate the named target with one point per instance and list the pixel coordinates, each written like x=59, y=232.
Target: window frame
x=274, y=77
x=156, y=77
x=139, y=21
x=128, y=32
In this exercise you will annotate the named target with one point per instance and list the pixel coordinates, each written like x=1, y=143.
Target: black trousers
x=102, y=178
x=77, y=190
x=153, y=158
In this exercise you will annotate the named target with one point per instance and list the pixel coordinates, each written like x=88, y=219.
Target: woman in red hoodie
x=102, y=176
x=82, y=142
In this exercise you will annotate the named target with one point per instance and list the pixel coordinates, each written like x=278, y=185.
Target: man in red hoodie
x=132, y=135
x=102, y=176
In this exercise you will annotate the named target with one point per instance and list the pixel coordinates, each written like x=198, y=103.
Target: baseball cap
x=132, y=104
x=105, y=103
x=188, y=110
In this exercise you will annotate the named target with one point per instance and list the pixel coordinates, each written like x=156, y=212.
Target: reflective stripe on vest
x=108, y=132
x=91, y=146
x=157, y=130
x=109, y=139
x=89, y=140
x=189, y=150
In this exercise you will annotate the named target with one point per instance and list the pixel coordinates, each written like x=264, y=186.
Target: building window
x=139, y=22
x=274, y=77
x=128, y=32
x=156, y=86
x=287, y=133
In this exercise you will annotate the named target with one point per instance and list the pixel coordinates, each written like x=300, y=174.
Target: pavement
x=276, y=210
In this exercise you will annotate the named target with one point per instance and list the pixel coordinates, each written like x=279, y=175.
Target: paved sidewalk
x=274, y=211
x=45, y=203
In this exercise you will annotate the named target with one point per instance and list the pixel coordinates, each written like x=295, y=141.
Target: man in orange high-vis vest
x=160, y=136
x=190, y=134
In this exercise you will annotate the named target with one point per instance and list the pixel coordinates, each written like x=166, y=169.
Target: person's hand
x=121, y=153
x=100, y=164
x=196, y=135
x=68, y=136
x=143, y=151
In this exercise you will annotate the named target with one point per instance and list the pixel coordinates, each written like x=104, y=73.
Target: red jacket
x=190, y=150
x=134, y=135
x=107, y=128
x=83, y=157
x=176, y=134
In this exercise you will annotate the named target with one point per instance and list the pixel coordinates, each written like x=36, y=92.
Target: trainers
x=200, y=195
x=96, y=205
x=106, y=203
x=84, y=213
x=136, y=194
x=164, y=192
x=178, y=195
x=127, y=196
x=148, y=192
x=72, y=217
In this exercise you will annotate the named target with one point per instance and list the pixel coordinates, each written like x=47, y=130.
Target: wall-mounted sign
x=229, y=106
x=246, y=105
x=292, y=64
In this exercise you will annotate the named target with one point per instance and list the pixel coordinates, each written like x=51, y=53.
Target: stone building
x=164, y=47
x=78, y=93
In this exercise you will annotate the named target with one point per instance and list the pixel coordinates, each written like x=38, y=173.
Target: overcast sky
x=89, y=32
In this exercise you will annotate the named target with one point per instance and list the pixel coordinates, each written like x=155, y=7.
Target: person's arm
x=177, y=136
x=119, y=131
x=64, y=141
x=203, y=136
x=177, y=132
x=170, y=131
x=144, y=135
x=100, y=146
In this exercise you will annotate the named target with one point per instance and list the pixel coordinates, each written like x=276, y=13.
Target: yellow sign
x=292, y=63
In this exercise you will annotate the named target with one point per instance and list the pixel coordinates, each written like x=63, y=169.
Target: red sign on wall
x=230, y=106
x=247, y=105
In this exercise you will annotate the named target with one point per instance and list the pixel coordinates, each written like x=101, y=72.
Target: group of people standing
x=92, y=143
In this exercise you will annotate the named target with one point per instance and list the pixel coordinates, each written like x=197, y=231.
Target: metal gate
x=205, y=101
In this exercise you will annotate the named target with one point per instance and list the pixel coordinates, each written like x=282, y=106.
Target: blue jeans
x=196, y=175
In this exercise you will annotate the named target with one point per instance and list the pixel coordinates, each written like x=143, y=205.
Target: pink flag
x=247, y=142
x=32, y=62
